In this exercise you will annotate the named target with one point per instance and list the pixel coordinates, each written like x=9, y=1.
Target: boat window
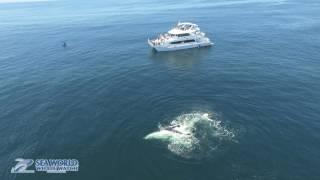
x=176, y=42
x=185, y=34
x=186, y=41
x=191, y=40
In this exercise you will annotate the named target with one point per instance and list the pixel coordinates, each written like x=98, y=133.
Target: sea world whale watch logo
x=46, y=165
x=22, y=165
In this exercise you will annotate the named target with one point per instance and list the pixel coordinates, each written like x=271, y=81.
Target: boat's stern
x=151, y=43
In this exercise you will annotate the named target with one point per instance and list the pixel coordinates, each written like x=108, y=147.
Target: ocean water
x=248, y=107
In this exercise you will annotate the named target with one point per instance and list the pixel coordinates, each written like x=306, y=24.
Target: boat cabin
x=183, y=29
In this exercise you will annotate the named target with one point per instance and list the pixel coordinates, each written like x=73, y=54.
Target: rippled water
x=248, y=107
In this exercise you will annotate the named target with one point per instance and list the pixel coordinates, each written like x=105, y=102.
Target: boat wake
x=192, y=135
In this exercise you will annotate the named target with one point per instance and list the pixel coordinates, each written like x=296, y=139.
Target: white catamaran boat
x=183, y=36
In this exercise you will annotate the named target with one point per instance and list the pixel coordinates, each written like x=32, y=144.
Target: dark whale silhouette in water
x=64, y=44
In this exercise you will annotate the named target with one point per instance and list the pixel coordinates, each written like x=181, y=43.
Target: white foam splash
x=191, y=134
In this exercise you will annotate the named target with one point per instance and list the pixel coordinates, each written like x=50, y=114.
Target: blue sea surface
x=250, y=103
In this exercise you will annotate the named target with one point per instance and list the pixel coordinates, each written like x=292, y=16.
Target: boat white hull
x=180, y=46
